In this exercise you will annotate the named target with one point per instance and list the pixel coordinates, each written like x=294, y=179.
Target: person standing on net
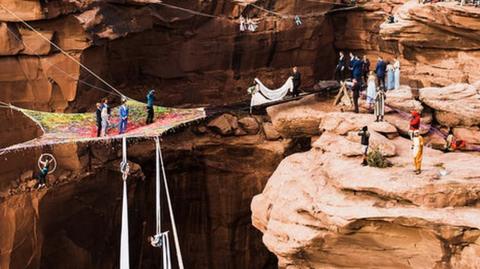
x=297, y=81
x=380, y=70
x=123, y=116
x=150, y=101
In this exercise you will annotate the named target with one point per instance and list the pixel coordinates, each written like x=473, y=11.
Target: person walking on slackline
x=379, y=109
x=340, y=68
x=297, y=81
x=356, y=88
x=105, y=115
x=380, y=71
x=123, y=116
x=417, y=150
x=365, y=68
x=365, y=141
x=414, y=123
x=390, y=77
x=150, y=101
x=98, y=114
x=396, y=72
x=371, y=89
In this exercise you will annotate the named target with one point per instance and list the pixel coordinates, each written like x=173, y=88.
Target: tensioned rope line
x=59, y=69
x=124, y=238
x=60, y=49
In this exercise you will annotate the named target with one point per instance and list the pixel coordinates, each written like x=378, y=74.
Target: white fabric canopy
x=264, y=95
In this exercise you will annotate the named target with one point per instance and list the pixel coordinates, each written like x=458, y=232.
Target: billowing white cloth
x=264, y=95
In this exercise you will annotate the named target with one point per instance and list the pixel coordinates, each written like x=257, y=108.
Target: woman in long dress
x=390, y=77
x=396, y=67
x=371, y=89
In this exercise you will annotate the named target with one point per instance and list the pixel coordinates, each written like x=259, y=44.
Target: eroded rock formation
x=322, y=209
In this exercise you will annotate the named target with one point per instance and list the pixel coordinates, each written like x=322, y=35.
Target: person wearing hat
x=123, y=116
x=150, y=101
x=414, y=123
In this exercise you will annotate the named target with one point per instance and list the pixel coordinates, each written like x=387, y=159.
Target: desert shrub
x=375, y=158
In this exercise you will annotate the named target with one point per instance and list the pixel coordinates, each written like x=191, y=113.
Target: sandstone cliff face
x=437, y=42
x=322, y=209
x=137, y=44
x=75, y=222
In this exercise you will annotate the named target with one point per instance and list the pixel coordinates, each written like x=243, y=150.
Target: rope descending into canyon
x=60, y=49
x=160, y=239
x=170, y=208
x=124, y=245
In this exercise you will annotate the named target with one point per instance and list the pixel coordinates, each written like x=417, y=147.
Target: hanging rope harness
x=124, y=245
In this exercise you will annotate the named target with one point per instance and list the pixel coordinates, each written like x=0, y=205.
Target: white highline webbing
x=124, y=246
x=170, y=208
x=158, y=227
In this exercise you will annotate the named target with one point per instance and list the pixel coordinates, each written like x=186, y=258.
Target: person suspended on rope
x=150, y=101
x=98, y=114
x=452, y=142
x=297, y=81
x=105, y=114
x=379, y=108
x=298, y=22
x=380, y=70
x=365, y=141
x=42, y=174
x=371, y=90
x=414, y=123
x=156, y=240
x=123, y=116
x=340, y=68
x=417, y=150
x=356, y=89
x=242, y=24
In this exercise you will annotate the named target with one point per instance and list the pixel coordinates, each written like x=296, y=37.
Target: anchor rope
x=124, y=245
x=170, y=208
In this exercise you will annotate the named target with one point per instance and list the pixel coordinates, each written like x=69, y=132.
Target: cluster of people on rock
x=385, y=76
x=103, y=114
x=416, y=138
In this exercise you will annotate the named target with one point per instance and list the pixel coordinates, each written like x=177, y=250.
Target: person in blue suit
x=357, y=69
x=123, y=116
x=150, y=101
x=380, y=70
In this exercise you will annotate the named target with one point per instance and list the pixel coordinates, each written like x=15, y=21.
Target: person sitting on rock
x=452, y=142
x=150, y=100
x=417, y=150
x=297, y=81
x=42, y=175
x=379, y=108
x=365, y=141
x=414, y=123
x=123, y=116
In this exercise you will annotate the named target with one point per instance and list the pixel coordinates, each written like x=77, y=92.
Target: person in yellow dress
x=417, y=150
